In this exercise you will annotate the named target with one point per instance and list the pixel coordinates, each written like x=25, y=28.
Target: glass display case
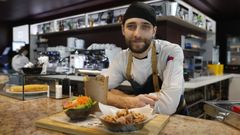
x=29, y=86
x=25, y=87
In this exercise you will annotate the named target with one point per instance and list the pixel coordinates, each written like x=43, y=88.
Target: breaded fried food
x=29, y=88
x=125, y=117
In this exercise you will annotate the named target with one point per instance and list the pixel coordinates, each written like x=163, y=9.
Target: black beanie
x=141, y=10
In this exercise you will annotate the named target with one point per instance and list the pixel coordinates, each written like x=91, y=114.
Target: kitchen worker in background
x=153, y=67
x=20, y=60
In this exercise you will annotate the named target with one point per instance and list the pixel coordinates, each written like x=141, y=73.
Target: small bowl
x=78, y=114
x=117, y=127
x=34, y=71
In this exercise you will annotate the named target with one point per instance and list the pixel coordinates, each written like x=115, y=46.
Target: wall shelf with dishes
x=59, y=25
x=178, y=9
x=193, y=43
x=183, y=11
x=117, y=24
x=103, y=19
x=81, y=30
x=182, y=23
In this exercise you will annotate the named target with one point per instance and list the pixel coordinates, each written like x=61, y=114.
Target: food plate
x=118, y=127
x=106, y=110
x=26, y=93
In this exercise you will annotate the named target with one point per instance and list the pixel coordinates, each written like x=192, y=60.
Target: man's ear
x=154, y=31
x=123, y=32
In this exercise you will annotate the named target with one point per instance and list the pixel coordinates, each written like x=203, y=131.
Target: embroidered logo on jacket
x=170, y=58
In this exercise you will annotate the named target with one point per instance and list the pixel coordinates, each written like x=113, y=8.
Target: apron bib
x=153, y=82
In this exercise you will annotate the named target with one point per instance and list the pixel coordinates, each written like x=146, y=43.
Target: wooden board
x=151, y=128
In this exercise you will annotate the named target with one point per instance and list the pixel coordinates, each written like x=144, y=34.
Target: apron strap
x=154, y=68
x=129, y=66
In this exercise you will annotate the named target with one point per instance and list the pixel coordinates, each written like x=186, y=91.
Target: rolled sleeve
x=172, y=87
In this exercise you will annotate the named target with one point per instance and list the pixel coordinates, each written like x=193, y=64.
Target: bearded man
x=153, y=67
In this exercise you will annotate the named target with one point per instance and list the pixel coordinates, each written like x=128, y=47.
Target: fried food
x=125, y=117
x=29, y=88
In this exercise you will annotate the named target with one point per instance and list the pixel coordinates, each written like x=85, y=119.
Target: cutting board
x=151, y=128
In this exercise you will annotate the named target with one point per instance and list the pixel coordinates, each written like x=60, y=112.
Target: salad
x=80, y=102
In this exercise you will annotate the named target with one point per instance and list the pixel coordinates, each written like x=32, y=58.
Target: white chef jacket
x=19, y=61
x=170, y=70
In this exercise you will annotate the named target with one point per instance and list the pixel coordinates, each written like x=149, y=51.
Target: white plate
x=26, y=93
x=116, y=127
x=111, y=110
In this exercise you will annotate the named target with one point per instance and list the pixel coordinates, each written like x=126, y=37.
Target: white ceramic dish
x=117, y=127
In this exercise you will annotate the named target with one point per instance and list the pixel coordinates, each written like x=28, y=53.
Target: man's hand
x=142, y=100
x=121, y=100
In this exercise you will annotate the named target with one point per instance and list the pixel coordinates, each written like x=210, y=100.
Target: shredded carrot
x=80, y=100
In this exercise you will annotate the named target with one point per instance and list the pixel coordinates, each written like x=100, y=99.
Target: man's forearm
x=118, y=99
x=122, y=100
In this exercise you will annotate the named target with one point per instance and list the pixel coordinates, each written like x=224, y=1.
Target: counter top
x=192, y=84
x=206, y=80
x=18, y=117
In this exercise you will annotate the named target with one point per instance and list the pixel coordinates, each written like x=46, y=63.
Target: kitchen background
x=207, y=30
x=225, y=14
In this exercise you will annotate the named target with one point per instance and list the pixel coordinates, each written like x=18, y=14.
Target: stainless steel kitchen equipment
x=96, y=59
x=76, y=61
x=224, y=111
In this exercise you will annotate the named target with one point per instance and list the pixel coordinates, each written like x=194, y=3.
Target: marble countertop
x=18, y=117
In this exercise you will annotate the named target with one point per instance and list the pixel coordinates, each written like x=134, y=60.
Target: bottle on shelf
x=61, y=26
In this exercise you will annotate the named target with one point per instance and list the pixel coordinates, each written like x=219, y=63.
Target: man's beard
x=147, y=43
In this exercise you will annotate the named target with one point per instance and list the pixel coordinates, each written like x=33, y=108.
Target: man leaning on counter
x=153, y=67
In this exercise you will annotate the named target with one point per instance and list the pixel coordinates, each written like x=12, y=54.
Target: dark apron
x=146, y=88
x=152, y=84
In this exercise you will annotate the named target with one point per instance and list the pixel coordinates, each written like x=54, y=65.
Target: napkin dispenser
x=60, y=91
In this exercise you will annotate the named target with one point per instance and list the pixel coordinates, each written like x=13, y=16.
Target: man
x=20, y=60
x=153, y=67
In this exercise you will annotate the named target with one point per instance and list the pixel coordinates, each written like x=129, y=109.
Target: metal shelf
x=181, y=22
x=82, y=29
x=194, y=37
x=172, y=19
x=216, y=99
x=41, y=42
x=201, y=115
x=195, y=103
x=194, y=50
